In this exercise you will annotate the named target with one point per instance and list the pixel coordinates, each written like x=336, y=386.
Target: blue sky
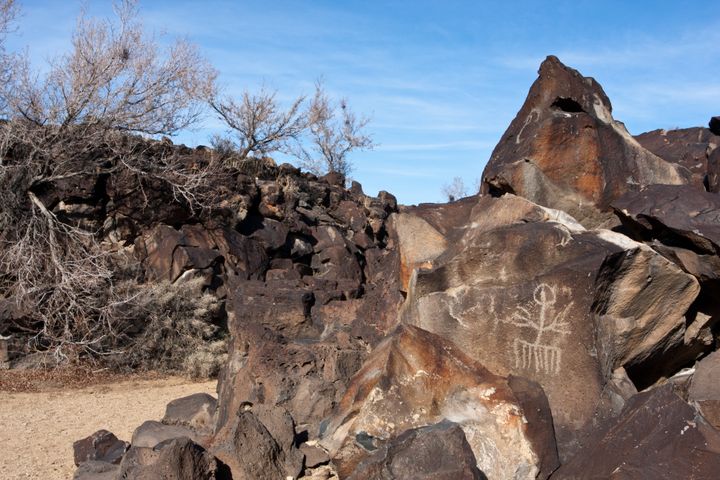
x=440, y=81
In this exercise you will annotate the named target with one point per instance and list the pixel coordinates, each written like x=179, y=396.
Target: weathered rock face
x=415, y=378
x=658, y=436
x=259, y=443
x=437, y=452
x=564, y=150
x=677, y=215
x=303, y=330
x=101, y=446
x=195, y=411
x=424, y=233
x=552, y=302
x=176, y=459
x=683, y=224
x=704, y=391
x=687, y=147
x=713, y=175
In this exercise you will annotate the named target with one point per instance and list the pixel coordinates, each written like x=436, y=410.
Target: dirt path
x=37, y=429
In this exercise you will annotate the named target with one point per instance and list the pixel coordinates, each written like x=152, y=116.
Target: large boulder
x=564, y=150
x=424, y=233
x=658, y=436
x=677, y=215
x=415, y=378
x=196, y=411
x=532, y=294
x=175, y=459
x=259, y=445
x=102, y=446
x=683, y=224
x=435, y=452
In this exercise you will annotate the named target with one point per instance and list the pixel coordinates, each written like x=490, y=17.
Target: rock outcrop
x=564, y=150
x=525, y=294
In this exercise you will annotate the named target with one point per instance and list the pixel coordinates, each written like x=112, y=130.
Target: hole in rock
x=567, y=105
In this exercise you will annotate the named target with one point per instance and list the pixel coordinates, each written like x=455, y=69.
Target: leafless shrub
x=75, y=124
x=178, y=334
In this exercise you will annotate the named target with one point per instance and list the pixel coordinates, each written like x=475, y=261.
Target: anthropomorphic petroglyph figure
x=539, y=354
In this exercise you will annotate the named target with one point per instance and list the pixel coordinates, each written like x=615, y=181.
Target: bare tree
x=455, y=190
x=73, y=123
x=334, y=132
x=258, y=125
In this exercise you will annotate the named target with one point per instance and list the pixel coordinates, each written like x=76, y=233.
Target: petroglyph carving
x=549, y=323
x=485, y=305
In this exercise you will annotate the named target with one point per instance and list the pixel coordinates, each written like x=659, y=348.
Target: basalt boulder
x=175, y=459
x=678, y=216
x=101, y=446
x=435, y=452
x=683, y=224
x=564, y=150
x=690, y=148
x=415, y=378
x=704, y=391
x=259, y=443
x=532, y=294
x=657, y=436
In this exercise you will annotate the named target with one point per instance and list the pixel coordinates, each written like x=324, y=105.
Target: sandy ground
x=37, y=429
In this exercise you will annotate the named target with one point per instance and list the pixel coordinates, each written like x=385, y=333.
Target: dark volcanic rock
x=96, y=470
x=435, y=452
x=176, y=459
x=532, y=294
x=152, y=433
x=251, y=450
x=564, y=150
x=658, y=436
x=195, y=411
x=687, y=147
x=683, y=224
x=306, y=377
x=168, y=253
x=704, y=389
x=714, y=125
x=101, y=446
x=679, y=216
x=713, y=175
x=415, y=378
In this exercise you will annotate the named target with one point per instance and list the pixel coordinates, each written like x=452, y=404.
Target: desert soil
x=40, y=420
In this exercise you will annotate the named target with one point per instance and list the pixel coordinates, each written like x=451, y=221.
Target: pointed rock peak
x=564, y=89
x=565, y=151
